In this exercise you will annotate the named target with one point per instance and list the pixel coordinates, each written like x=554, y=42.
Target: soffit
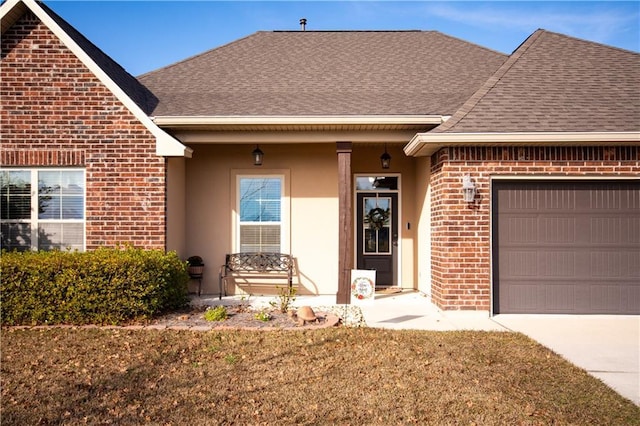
x=300, y=123
x=426, y=144
x=14, y=10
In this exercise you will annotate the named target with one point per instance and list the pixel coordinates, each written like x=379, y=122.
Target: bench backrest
x=259, y=262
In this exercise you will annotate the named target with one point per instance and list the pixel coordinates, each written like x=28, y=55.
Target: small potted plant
x=196, y=266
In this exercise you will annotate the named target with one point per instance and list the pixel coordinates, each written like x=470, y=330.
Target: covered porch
x=330, y=181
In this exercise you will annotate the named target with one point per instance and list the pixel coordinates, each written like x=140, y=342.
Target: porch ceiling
x=282, y=136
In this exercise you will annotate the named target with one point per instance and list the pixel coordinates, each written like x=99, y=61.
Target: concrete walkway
x=413, y=311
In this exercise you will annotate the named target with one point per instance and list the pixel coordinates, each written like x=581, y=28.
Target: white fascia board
x=166, y=145
x=170, y=121
x=423, y=144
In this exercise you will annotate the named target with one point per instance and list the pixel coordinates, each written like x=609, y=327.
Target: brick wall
x=55, y=112
x=460, y=242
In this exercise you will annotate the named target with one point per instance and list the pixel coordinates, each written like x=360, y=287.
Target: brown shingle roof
x=556, y=83
x=326, y=73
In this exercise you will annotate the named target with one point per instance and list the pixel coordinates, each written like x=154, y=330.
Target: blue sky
x=146, y=35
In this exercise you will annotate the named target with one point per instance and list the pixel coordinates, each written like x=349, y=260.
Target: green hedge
x=105, y=286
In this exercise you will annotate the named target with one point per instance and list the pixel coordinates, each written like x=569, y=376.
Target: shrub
x=286, y=297
x=105, y=286
x=219, y=313
x=262, y=316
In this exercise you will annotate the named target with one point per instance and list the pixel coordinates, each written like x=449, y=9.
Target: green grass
x=333, y=376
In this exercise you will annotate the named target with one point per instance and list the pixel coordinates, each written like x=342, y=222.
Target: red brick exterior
x=55, y=112
x=460, y=234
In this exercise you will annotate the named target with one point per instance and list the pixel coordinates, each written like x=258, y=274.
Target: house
x=512, y=184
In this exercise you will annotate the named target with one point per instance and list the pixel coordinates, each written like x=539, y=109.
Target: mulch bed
x=239, y=317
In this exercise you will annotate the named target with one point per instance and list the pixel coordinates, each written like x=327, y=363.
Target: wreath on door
x=376, y=218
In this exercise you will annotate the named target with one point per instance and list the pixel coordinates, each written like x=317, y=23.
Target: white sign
x=363, y=286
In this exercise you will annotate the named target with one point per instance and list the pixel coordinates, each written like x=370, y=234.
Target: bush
x=105, y=286
x=219, y=313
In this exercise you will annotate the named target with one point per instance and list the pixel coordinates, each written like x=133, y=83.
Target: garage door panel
x=521, y=229
x=557, y=199
x=523, y=297
x=558, y=229
x=558, y=296
x=523, y=200
x=614, y=265
x=566, y=298
x=608, y=230
x=556, y=264
x=607, y=297
x=518, y=263
x=566, y=247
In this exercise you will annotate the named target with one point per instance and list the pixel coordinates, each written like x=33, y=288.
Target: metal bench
x=255, y=264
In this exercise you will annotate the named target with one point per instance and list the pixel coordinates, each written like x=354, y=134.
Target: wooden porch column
x=345, y=224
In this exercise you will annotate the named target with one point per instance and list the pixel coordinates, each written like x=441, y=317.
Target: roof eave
x=191, y=121
x=10, y=12
x=426, y=144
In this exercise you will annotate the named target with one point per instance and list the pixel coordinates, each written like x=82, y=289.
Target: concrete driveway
x=607, y=346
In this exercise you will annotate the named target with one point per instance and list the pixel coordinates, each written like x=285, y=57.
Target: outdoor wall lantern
x=258, y=155
x=468, y=189
x=385, y=159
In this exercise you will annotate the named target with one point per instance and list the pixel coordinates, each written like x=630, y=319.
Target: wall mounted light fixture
x=468, y=189
x=385, y=159
x=258, y=155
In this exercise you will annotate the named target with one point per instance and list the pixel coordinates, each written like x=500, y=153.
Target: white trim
x=166, y=145
x=297, y=120
x=285, y=205
x=34, y=220
x=428, y=143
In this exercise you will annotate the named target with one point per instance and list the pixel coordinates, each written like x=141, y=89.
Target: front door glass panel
x=376, y=224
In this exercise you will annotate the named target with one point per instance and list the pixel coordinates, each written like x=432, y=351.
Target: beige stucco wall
x=366, y=160
x=311, y=171
x=423, y=228
x=176, y=203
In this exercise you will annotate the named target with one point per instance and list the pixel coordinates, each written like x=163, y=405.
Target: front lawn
x=340, y=376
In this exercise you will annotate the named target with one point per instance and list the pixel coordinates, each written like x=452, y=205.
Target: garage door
x=570, y=247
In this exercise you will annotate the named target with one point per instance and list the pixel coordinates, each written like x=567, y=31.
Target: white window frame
x=285, y=205
x=34, y=220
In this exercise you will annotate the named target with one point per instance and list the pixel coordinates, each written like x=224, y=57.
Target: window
x=260, y=213
x=42, y=209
